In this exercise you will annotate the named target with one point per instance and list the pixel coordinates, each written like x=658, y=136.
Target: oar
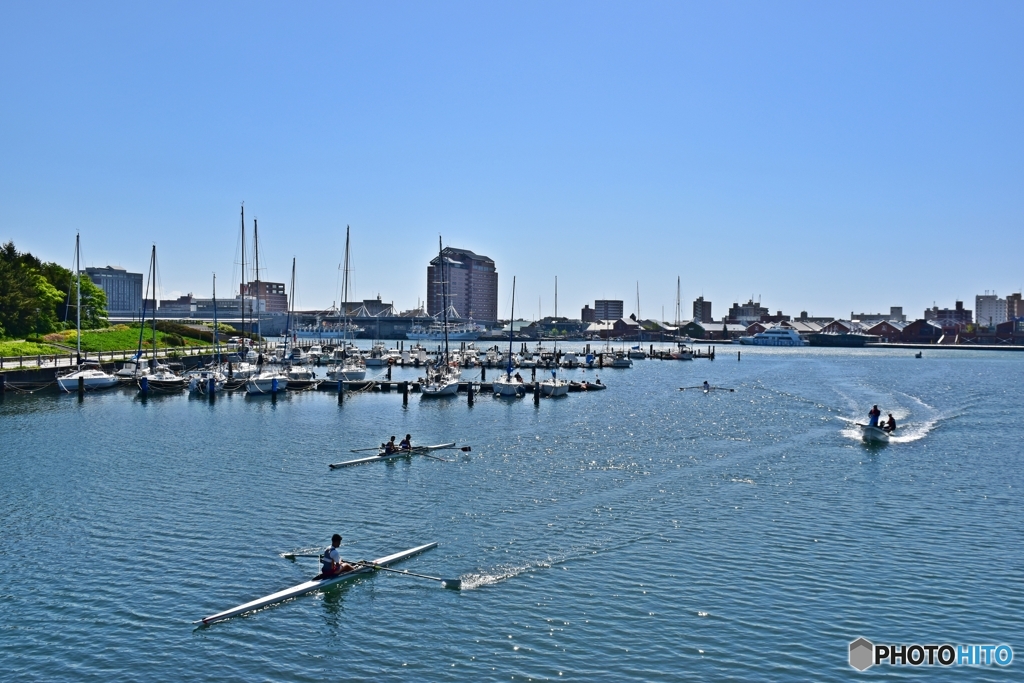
x=292, y=556
x=363, y=450
x=454, y=584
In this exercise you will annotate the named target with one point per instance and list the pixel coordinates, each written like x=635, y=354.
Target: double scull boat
x=314, y=585
x=381, y=455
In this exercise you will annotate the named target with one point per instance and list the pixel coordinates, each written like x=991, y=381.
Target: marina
x=537, y=521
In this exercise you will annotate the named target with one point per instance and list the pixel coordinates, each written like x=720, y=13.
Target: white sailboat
x=507, y=385
x=442, y=377
x=269, y=380
x=91, y=375
x=350, y=367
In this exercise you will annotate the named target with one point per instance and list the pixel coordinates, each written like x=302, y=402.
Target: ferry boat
x=467, y=331
x=775, y=336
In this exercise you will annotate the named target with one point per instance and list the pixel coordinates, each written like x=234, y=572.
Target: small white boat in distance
x=775, y=336
x=870, y=434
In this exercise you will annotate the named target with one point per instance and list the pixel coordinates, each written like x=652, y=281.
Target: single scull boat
x=388, y=456
x=310, y=586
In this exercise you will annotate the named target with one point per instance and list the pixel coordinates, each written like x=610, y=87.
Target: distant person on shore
x=331, y=563
x=873, y=416
x=406, y=443
x=890, y=424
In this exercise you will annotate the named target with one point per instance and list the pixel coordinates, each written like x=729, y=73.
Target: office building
x=608, y=309
x=123, y=289
x=989, y=309
x=472, y=283
x=272, y=296
x=702, y=310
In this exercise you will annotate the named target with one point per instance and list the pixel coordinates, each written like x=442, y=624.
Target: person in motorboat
x=707, y=387
x=390, y=447
x=406, y=443
x=890, y=424
x=873, y=416
x=331, y=563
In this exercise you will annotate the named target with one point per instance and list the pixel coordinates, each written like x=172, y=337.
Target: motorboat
x=132, y=369
x=199, y=381
x=621, y=360
x=570, y=360
x=266, y=382
x=352, y=369
x=775, y=336
x=871, y=434
x=636, y=353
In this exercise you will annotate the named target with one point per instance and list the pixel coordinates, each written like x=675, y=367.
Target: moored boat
x=775, y=336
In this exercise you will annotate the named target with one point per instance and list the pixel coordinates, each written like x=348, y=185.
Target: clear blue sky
x=820, y=156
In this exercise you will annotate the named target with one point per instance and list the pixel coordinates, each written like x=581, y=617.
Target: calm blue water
x=641, y=532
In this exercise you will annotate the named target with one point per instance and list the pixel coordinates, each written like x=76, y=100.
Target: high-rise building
x=123, y=289
x=272, y=296
x=989, y=309
x=702, y=310
x=608, y=309
x=472, y=282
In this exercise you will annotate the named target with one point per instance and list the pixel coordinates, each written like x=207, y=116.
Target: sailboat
x=507, y=385
x=270, y=380
x=442, y=378
x=91, y=374
x=209, y=380
x=556, y=387
x=350, y=367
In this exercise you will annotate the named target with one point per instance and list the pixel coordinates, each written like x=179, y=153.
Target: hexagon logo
x=862, y=654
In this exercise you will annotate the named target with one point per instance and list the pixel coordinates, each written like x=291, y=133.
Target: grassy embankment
x=121, y=338
x=27, y=348
x=116, y=338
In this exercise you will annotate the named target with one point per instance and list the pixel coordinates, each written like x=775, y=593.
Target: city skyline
x=822, y=158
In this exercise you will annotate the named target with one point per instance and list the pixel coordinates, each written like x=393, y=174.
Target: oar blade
x=452, y=584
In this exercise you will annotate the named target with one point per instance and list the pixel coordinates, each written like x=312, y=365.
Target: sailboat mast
x=291, y=309
x=556, y=296
x=152, y=264
x=444, y=296
x=256, y=265
x=511, y=327
x=344, y=297
x=216, y=327
x=145, y=301
x=78, y=295
x=244, y=289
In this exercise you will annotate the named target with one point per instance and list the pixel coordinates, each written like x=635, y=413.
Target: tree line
x=38, y=298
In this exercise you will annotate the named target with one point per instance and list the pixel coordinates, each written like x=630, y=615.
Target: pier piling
x=3, y=384
x=341, y=391
x=405, y=393
x=469, y=392
x=536, y=393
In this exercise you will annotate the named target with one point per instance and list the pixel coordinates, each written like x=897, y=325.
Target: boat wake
x=499, y=574
x=907, y=430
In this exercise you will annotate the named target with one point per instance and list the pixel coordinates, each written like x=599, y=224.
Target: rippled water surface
x=641, y=532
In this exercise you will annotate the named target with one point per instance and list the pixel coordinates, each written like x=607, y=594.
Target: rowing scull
x=315, y=585
x=388, y=456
